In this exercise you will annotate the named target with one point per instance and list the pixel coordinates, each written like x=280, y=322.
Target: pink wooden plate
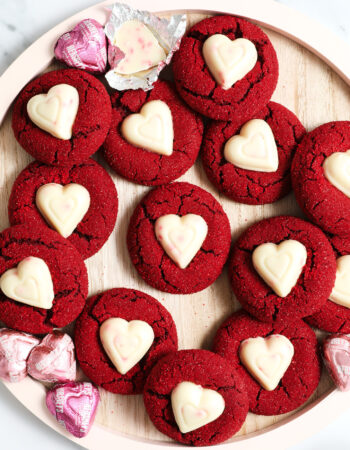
x=312, y=62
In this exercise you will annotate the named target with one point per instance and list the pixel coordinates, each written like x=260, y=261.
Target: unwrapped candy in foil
x=168, y=33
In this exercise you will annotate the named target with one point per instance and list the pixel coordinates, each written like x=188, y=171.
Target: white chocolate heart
x=254, y=148
x=63, y=207
x=181, y=237
x=140, y=46
x=280, y=265
x=229, y=61
x=29, y=283
x=151, y=129
x=336, y=169
x=341, y=290
x=126, y=343
x=55, y=111
x=267, y=359
x=193, y=406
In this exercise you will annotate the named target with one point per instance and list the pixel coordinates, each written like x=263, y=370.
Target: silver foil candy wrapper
x=167, y=32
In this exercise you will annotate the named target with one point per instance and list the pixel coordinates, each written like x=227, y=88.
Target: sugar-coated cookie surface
x=149, y=257
x=313, y=286
x=98, y=223
x=68, y=274
x=248, y=186
x=198, y=87
x=299, y=381
x=144, y=166
x=333, y=317
x=90, y=126
x=208, y=370
x=128, y=304
x=323, y=202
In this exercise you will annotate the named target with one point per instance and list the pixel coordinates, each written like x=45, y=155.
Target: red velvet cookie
x=333, y=317
x=208, y=370
x=67, y=270
x=90, y=126
x=298, y=382
x=199, y=89
x=144, y=166
x=97, y=224
x=249, y=186
x=127, y=304
x=321, y=201
x=150, y=259
x=313, y=286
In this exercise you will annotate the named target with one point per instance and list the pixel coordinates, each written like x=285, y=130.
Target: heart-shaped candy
x=53, y=360
x=193, y=406
x=63, y=207
x=336, y=354
x=341, y=290
x=84, y=47
x=280, y=265
x=29, y=283
x=74, y=405
x=14, y=351
x=336, y=169
x=151, y=129
x=126, y=343
x=134, y=48
x=55, y=111
x=254, y=148
x=181, y=237
x=229, y=61
x=267, y=359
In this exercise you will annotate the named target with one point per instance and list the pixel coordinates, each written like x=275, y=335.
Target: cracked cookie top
x=249, y=186
x=90, y=126
x=148, y=255
x=324, y=203
x=147, y=167
x=333, y=317
x=198, y=87
x=298, y=382
x=313, y=285
x=127, y=304
x=208, y=370
x=98, y=222
x=67, y=270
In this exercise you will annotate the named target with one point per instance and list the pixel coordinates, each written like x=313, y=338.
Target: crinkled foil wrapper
x=167, y=32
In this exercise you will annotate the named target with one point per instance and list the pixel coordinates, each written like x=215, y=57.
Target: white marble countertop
x=21, y=23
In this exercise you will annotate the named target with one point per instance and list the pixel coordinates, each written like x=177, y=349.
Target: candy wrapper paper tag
x=167, y=33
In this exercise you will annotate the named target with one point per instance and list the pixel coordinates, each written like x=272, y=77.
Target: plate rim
x=270, y=14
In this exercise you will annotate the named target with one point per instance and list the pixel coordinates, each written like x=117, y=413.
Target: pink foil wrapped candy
x=14, y=350
x=84, y=47
x=336, y=355
x=74, y=405
x=53, y=360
